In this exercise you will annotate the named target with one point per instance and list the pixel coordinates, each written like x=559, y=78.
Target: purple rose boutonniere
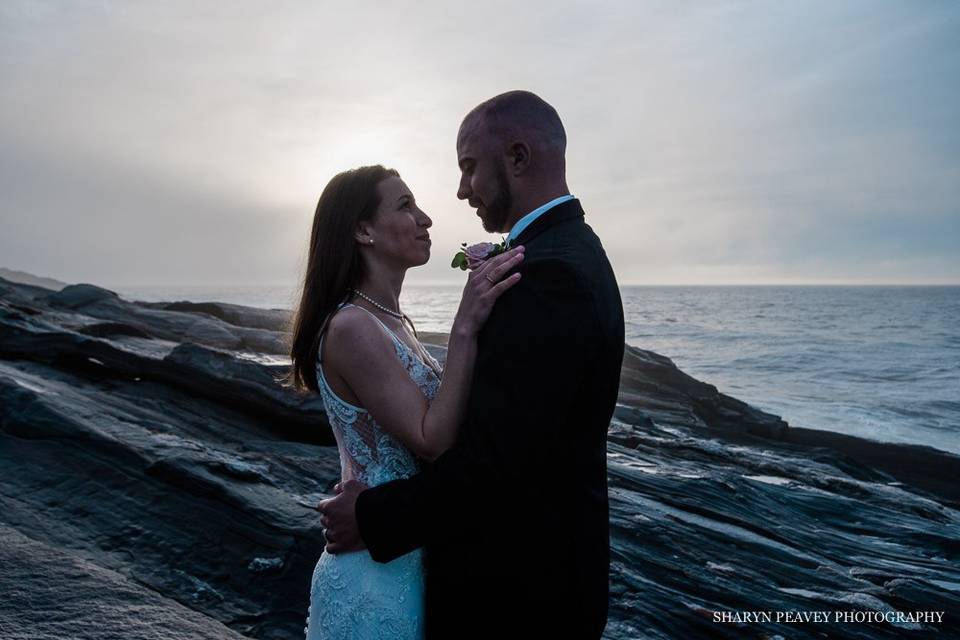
x=471, y=257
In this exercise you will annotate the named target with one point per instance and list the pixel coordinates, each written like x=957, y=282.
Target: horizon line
x=621, y=284
x=295, y=284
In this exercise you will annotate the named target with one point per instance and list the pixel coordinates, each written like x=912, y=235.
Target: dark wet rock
x=155, y=473
x=79, y=306
x=12, y=291
x=80, y=295
x=179, y=493
x=654, y=386
x=22, y=277
x=212, y=334
x=108, y=329
x=242, y=380
x=632, y=415
x=269, y=319
x=47, y=595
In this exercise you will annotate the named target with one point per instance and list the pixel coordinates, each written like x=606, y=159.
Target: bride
x=381, y=389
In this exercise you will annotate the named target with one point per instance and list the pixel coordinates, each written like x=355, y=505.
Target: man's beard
x=497, y=211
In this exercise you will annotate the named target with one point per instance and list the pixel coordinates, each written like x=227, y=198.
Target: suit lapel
x=561, y=213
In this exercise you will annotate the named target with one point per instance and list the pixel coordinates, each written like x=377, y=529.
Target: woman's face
x=399, y=228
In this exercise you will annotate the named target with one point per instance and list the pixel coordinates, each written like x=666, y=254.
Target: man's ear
x=518, y=158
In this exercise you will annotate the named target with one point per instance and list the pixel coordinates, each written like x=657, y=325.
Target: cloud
x=734, y=142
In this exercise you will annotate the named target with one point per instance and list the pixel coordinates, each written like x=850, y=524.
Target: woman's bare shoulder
x=355, y=336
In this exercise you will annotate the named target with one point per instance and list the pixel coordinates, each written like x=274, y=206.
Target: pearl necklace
x=398, y=316
x=401, y=317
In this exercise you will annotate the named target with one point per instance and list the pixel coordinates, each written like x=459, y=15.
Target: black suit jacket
x=514, y=517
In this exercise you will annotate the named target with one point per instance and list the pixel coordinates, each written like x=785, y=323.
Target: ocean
x=880, y=362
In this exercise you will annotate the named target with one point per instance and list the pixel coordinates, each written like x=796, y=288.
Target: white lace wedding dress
x=351, y=595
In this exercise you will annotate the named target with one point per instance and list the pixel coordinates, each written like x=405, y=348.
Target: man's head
x=510, y=150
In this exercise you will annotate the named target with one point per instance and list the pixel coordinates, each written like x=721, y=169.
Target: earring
x=371, y=240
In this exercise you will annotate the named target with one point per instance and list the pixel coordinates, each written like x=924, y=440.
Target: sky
x=175, y=143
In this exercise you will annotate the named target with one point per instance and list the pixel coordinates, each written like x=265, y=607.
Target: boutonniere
x=476, y=254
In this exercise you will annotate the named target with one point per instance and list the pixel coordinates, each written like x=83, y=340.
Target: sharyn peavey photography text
x=842, y=616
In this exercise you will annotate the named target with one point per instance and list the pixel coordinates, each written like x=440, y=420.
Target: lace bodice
x=351, y=595
x=367, y=452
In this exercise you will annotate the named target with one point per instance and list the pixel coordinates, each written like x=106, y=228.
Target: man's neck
x=533, y=201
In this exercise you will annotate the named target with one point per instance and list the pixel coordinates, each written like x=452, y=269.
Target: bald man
x=514, y=517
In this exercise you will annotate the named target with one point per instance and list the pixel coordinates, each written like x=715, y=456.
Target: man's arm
x=536, y=343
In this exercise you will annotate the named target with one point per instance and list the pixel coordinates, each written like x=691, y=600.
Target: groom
x=514, y=517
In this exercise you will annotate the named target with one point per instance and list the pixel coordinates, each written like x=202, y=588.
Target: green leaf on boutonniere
x=477, y=254
x=498, y=248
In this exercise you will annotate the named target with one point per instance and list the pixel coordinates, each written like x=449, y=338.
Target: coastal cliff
x=154, y=477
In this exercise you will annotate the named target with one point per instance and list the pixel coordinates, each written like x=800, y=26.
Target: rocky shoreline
x=155, y=471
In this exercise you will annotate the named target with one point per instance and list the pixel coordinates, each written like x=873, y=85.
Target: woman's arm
x=361, y=353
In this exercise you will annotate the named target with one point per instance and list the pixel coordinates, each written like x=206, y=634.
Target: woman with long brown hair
x=385, y=398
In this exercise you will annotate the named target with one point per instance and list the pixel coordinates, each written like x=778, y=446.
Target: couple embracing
x=473, y=500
